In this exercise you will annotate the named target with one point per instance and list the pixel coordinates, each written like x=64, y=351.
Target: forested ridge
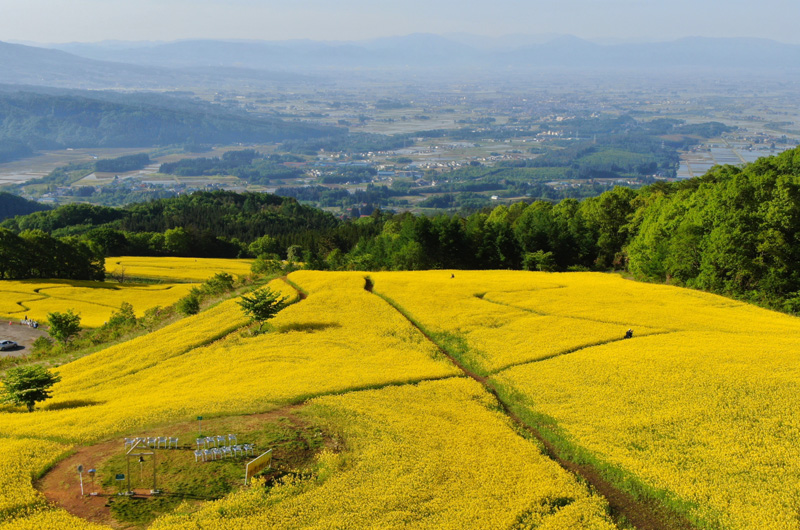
x=12, y=205
x=734, y=231
x=35, y=120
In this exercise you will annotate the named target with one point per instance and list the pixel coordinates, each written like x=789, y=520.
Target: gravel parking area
x=21, y=334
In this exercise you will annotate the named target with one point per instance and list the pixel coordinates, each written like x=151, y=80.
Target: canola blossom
x=496, y=335
x=20, y=460
x=49, y=519
x=610, y=298
x=318, y=346
x=176, y=269
x=709, y=418
x=444, y=459
x=700, y=406
x=93, y=301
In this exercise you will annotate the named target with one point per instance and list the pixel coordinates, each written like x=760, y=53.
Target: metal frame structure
x=140, y=454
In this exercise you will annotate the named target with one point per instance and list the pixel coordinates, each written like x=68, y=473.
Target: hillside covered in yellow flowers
x=440, y=399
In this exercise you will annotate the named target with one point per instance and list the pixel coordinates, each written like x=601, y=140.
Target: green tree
x=26, y=385
x=294, y=253
x=63, y=325
x=262, y=305
x=539, y=261
x=177, y=241
x=264, y=245
x=125, y=317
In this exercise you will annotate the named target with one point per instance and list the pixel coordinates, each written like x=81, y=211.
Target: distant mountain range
x=30, y=65
x=183, y=63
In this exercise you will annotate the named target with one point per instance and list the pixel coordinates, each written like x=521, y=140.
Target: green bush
x=189, y=304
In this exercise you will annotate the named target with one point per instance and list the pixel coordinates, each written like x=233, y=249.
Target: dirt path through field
x=642, y=514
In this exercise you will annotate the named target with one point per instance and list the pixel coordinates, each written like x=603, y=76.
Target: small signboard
x=257, y=465
x=119, y=476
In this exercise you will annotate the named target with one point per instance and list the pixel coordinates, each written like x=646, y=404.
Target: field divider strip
x=645, y=513
x=576, y=317
x=575, y=350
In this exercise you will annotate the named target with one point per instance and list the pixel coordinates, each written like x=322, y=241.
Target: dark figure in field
x=452, y=276
x=629, y=334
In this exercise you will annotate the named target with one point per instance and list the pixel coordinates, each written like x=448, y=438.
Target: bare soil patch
x=61, y=485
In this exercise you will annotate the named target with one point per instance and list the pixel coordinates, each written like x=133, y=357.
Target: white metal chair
x=173, y=443
x=199, y=454
x=221, y=440
x=231, y=439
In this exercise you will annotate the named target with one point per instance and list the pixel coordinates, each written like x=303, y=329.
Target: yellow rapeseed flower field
x=712, y=418
x=497, y=335
x=93, y=301
x=176, y=269
x=700, y=407
x=443, y=459
x=339, y=339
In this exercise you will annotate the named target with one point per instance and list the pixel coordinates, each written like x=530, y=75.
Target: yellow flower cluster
x=20, y=460
x=336, y=340
x=93, y=301
x=497, y=334
x=176, y=269
x=610, y=298
x=51, y=520
x=701, y=404
x=712, y=418
x=434, y=455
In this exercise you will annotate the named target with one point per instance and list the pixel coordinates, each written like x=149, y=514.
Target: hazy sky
x=93, y=20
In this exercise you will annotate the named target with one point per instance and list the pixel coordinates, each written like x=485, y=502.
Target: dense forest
x=247, y=164
x=734, y=231
x=210, y=224
x=122, y=164
x=36, y=254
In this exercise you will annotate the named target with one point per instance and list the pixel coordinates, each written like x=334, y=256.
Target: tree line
x=37, y=254
x=734, y=231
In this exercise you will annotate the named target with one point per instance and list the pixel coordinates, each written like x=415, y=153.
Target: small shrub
x=221, y=282
x=189, y=304
x=42, y=345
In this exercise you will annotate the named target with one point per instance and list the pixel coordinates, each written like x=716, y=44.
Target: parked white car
x=7, y=345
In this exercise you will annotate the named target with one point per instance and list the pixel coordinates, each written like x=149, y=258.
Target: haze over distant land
x=49, y=21
x=240, y=63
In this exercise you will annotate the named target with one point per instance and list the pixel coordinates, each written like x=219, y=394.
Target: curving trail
x=626, y=509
